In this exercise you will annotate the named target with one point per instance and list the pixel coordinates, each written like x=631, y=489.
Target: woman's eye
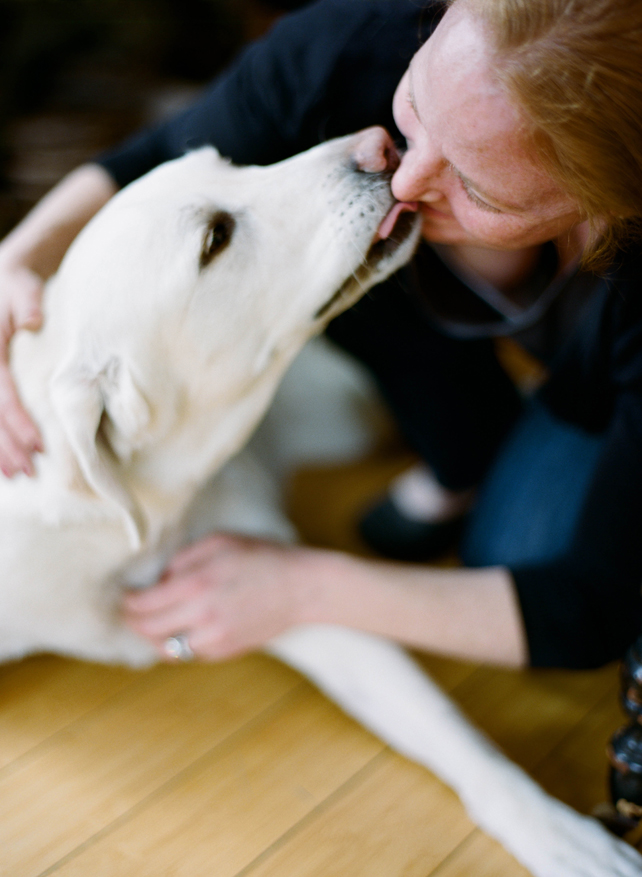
x=478, y=201
x=217, y=237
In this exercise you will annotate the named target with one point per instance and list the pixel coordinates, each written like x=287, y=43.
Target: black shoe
x=390, y=533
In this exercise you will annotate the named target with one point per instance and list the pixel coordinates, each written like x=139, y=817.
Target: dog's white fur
x=154, y=366
x=151, y=371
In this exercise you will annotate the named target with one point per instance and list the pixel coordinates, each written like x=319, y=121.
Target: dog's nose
x=375, y=152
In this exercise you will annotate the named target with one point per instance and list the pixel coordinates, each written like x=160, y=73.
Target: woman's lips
x=428, y=211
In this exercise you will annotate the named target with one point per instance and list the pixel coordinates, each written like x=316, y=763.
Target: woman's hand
x=227, y=594
x=20, y=308
x=29, y=254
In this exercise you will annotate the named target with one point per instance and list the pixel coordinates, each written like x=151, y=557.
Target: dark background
x=78, y=75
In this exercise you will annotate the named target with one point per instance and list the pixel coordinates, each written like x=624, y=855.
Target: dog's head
x=186, y=297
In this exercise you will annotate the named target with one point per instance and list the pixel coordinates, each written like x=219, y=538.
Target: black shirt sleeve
x=327, y=70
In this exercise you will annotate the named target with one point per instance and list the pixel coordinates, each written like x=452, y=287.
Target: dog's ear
x=98, y=410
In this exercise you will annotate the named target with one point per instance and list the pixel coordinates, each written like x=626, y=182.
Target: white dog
x=167, y=329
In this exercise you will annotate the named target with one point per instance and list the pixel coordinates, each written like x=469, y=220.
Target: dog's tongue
x=385, y=229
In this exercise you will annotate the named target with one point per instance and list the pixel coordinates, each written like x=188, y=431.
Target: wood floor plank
x=221, y=813
x=43, y=694
x=395, y=820
x=576, y=771
x=528, y=713
x=99, y=767
x=449, y=674
x=480, y=856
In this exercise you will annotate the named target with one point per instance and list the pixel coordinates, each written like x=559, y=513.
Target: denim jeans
x=530, y=502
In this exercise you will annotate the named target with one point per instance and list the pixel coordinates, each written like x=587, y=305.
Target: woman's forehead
x=467, y=114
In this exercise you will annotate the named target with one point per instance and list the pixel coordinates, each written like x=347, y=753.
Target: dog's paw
x=567, y=844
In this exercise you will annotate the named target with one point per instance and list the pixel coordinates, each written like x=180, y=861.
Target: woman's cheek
x=506, y=233
x=494, y=230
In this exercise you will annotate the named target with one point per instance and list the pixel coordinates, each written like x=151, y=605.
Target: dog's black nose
x=375, y=152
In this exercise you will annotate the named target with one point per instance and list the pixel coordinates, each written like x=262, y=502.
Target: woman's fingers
x=19, y=437
x=227, y=593
x=183, y=606
x=163, y=595
x=197, y=553
x=172, y=618
x=20, y=308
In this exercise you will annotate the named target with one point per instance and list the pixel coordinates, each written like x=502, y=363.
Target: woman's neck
x=503, y=269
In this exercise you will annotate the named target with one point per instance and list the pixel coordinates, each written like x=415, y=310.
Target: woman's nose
x=375, y=152
x=416, y=177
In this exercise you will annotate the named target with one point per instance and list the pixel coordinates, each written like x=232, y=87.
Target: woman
x=524, y=152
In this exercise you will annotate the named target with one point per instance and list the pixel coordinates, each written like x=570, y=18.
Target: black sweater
x=331, y=69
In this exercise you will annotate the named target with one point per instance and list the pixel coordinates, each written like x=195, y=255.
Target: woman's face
x=468, y=162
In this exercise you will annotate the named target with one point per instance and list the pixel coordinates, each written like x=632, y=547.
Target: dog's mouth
x=395, y=228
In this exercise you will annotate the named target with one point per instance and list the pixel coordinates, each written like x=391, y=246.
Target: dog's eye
x=218, y=235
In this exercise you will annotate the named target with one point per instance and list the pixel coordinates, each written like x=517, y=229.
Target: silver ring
x=177, y=647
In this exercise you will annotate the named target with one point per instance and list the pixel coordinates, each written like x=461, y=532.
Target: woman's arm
x=231, y=594
x=28, y=256
x=40, y=241
x=464, y=613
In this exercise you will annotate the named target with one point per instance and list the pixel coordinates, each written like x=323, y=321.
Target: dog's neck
x=161, y=455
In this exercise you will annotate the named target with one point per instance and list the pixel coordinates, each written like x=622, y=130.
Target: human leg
x=530, y=501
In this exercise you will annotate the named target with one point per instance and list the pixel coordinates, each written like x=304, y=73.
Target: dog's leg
x=377, y=683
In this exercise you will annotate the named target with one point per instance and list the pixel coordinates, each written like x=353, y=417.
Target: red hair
x=574, y=68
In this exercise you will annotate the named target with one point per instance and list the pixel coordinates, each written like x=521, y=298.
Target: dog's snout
x=374, y=151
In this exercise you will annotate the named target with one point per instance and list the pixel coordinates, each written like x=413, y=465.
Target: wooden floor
x=244, y=769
